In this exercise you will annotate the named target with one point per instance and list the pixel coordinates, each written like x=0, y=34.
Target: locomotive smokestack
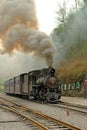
x=19, y=30
x=51, y=71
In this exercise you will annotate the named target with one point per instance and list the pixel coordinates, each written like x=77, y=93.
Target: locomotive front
x=50, y=90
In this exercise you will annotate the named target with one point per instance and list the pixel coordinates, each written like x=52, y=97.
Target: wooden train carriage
x=7, y=88
x=21, y=84
x=17, y=85
x=12, y=86
x=25, y=88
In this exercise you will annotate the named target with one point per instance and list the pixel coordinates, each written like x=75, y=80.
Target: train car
x=24, y=85
x=21, y=84
x=7, y=88
x=11, y=86
x=41, y=84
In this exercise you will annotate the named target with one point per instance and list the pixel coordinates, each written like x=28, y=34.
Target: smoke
x=72, y=37
x=18, y=63
x=60, y=50
x=19, y=30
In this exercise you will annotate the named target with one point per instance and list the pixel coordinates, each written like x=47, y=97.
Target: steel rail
x=71, y=127
x=51, y=118
x=25, y=117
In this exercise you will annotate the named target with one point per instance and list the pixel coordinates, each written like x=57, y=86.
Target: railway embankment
x=75, y=100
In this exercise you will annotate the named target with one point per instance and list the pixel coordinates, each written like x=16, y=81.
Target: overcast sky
x=46, y=12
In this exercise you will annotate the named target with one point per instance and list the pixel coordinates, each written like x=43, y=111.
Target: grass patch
x=1, y=88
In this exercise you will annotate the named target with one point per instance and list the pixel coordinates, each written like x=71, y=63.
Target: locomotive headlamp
x=52, y=81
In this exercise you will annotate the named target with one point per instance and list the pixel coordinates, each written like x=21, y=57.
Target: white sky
x=46, y=13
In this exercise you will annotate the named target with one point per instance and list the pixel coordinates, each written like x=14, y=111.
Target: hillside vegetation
x=75, y=68
x=71, y=34
x=2, y=86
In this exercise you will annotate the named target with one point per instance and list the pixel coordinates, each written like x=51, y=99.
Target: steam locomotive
x=40, y=84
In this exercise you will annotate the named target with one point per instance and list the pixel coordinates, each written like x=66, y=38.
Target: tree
x=61, y=19
x=61, y=13
x=78, y=4
x=85, y=1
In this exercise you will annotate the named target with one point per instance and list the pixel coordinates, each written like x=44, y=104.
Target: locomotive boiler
x=40, y=84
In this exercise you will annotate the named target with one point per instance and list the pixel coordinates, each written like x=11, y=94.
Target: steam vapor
x=19, y=30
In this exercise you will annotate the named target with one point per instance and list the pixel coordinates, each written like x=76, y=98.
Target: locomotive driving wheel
x=43, y=94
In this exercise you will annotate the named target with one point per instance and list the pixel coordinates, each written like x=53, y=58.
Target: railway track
x=34, y=118
x=66, y=105
x=71, y=106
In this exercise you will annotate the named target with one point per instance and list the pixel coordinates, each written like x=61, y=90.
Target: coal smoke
x=19, y=30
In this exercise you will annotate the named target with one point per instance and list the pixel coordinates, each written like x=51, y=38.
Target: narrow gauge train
x=40, y=84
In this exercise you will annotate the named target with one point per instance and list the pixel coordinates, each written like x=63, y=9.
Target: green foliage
x=72, y=33
x=1, y=88
x=1, y=85
x=59, y=29
x=61, y=17
x=85, y=1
